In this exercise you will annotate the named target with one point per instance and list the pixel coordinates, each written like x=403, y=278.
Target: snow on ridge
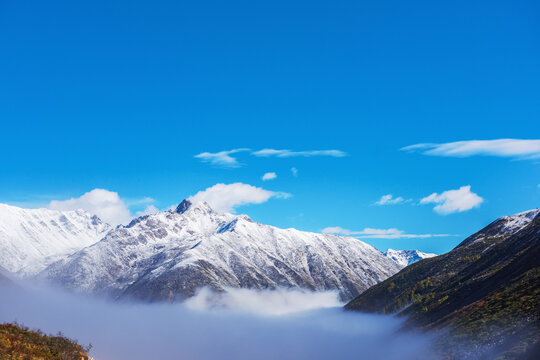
x=407, y=257
x=517, y=221
x=173, y=253
x=31, y=239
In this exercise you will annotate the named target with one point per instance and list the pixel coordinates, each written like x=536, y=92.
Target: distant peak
x=184, y=206
x=187, y=204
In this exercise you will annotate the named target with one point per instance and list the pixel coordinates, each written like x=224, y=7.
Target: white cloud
x=269, y=176
x=107, y=205
x=279, y=301
x=371, y=233
x=150, y=210
x=289, y=153
x=389, y=200
x=527, y=149
x=294, y=171
x=225, y=197
x=222, y=158
x=451, y=201
x=142, y=201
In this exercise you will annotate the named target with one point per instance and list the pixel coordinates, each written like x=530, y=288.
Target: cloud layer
x=371, y=233
x=106, y=204
x=225, y=197
x=127, y=331
x=527, y=149
x=452, y=201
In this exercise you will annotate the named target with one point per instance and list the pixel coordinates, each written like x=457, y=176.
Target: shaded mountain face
x=407, y=257
x=172, y=254
x=485, y=292
x=32, y=239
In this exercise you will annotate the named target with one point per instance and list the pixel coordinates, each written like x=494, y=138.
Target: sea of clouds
x=239, y=324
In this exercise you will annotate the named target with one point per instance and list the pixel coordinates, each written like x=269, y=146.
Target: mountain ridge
x=172, y=254
x=483, y=292
x=31, y=239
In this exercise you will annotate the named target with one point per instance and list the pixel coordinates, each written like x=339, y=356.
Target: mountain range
x=484, y=294
x=172, y=254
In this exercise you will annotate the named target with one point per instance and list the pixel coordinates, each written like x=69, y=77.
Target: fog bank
x=226, y=327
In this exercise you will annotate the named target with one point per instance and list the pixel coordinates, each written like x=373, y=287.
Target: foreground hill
x=18, y=342
x=172, y=254
x=485, y=292
x=31, y=239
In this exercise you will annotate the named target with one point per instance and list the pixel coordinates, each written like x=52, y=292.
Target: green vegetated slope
x=484, y=295
x=20, y=343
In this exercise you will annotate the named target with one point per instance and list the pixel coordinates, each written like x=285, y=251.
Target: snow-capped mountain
x=31, y=239
x=172, y=254
x=406, y=257
x=504, y=226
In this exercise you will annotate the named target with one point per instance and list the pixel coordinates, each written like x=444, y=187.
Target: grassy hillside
x=484, y=294
x=20, y=343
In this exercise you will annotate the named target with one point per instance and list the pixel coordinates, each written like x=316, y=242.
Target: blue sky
x=122, y=95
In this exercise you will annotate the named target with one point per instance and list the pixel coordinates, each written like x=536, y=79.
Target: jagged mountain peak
x=183, y=206
x=189, y=205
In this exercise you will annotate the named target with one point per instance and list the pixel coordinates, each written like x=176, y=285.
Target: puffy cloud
x=452, y=201
x=269, y=176
x=225, y=197
x=389, y=200
x=294, y=171
x=289, y=153
x=371, y=233
x=222, y=158
x=107, y=205
x=500, y=147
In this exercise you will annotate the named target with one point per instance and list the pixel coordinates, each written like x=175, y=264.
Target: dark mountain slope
x=485, y=292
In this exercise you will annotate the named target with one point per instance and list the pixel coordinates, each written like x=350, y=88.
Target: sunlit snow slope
x=172, y=254
x=31, y=239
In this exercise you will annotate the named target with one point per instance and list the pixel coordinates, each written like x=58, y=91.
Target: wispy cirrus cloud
x=284, y=153
x=225, y=158
x=222, y=158
x=452, y=201
x=372, y=233
x=389, y=199
x=516, y=148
